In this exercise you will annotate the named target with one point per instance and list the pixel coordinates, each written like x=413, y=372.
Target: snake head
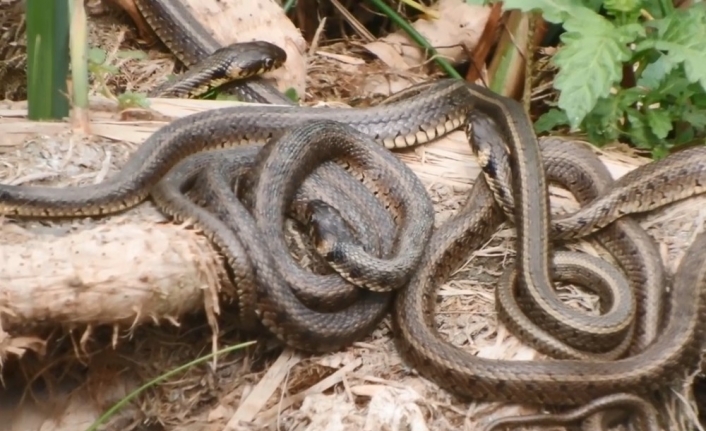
x=327, y=228
x=247, y=59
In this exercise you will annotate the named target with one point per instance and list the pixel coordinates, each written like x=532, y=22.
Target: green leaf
x=659, y=121
x=109, y=68
x=641, y=134
x=96, y=55
x=699, y=101
x=603, y=123
x=555, y=11
x=682, y=37
x=654, y=73
x=684, y=136
x=549, y=120
x=130, y=99
x=133, y=54
x=628, y=97
x=590, y=63
x=695, y=116
x=654, y=8
x=675, y=88
x=622, y=5
x=291, y=92
x=594, y=5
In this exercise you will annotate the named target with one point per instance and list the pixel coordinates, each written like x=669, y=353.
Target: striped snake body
x=195, y=47
x=436, y=110
x=259, y=240
x=416, y=119
x=569, y=382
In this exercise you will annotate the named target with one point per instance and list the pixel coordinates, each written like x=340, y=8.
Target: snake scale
x=656, y=355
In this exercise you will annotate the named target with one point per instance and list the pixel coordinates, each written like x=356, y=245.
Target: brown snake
x=566, y=382
x=591, y=413
x=579, y=170
x=400, y=124
x=189, y=40
x=229, y=224
x=195, y=47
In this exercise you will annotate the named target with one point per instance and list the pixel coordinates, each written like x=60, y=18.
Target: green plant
x=102, y=70
x=132, y=395
x=47, y=59
x=663, y=48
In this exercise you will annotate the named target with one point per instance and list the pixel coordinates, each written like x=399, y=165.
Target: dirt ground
x=366, y=386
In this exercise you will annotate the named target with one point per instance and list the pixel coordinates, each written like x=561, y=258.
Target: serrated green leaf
x=628, y=97
x=659, y=121
x=654, y=8
x=602, y=124
x=659, y=152
x=629, y=33
x=549, y=120
x=695, y=116
x=682, y=36
x=640, y=131
x=594, y=5
x=675, y=88
x=684, y=136
x=622, y=5
x=654, y=73
x=556, y=11
x=699, y=100
x=590, y=63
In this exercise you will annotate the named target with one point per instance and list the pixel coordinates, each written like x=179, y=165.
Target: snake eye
x=269, y=62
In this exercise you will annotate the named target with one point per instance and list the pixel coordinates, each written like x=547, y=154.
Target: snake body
x=591, y=413
x=411, y=122
x=299, y=152
x=213, y=174
x=438, y=109
x=577, y=168
x=227, y=64
x=207, y=59
x=569, y=382
x=261, y=237
x=576, y=330
x=416, y=119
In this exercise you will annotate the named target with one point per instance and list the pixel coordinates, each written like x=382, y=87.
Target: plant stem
x=289, y=5
x=78, y=39
x=120, y=404
x=414, y=34
x=47, y=58
x=667, y=7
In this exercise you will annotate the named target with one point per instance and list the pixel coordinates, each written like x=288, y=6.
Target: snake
x=438, y=109
x=556, y=382
x=399, y=124
x=590, y=413
x=235, y=68
x=231, y=227
x=435, y=111
x=231, y=63
x=575, y=167
x=637, y=259
x=263, y=237
x=261, y=242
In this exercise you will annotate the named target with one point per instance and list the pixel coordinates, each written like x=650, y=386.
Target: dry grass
x=364, y=387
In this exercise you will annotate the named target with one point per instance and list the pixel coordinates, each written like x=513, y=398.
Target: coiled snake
x=438, y=109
